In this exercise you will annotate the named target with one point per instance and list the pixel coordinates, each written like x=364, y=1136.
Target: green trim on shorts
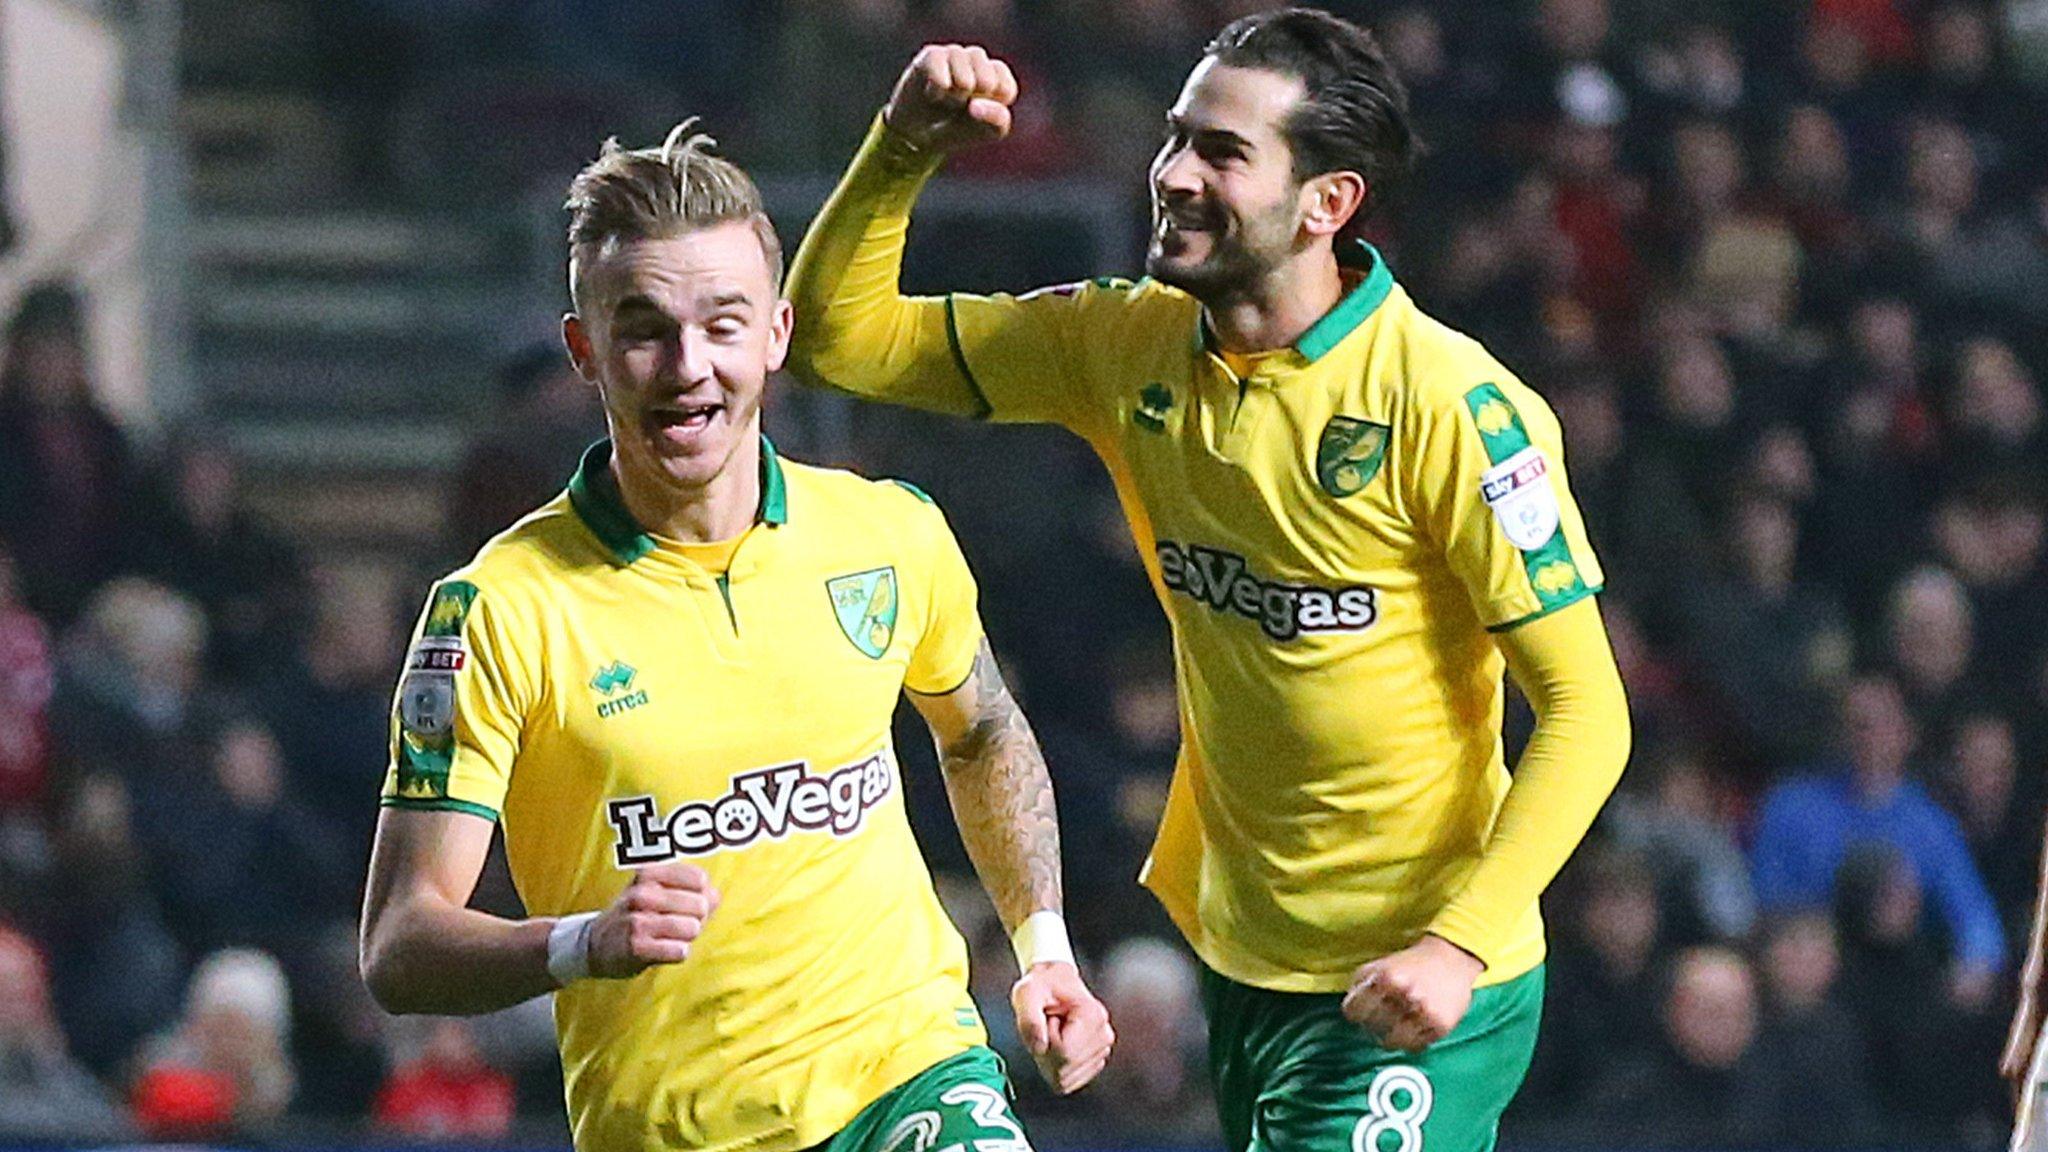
x=962, y=1101
x=1291, y=1074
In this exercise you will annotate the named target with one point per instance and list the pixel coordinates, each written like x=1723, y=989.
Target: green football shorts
x=962, y=1101
x=1293, y=1075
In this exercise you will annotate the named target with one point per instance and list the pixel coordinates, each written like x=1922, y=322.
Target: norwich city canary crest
x=865, y=605
x=1349, y=455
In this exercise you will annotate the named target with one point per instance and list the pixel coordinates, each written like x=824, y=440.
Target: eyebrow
x=1212, y=135
x=639, y=306
x=636, y=304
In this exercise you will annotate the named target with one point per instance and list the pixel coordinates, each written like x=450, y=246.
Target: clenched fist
x=1062, y=1024
x=1416, y=996
x=952, y=95
x=652, y=921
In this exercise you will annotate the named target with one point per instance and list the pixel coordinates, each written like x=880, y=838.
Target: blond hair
x=657, y=193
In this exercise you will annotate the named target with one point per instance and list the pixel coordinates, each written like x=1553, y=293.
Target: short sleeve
x=1024, y=355
x=952, y=627
x=456, y=722
x=1492, y=490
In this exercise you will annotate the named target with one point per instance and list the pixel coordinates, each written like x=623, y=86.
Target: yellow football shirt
x=1332, y=534
x=1332, y=537
x=615, y=704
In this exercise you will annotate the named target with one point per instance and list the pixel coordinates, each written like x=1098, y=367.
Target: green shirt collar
x=1350, y=312
x=594, y=493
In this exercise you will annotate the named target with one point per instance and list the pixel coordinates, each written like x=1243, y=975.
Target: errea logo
x=612, y=680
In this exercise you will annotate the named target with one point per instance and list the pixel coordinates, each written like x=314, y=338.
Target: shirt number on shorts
x=1395, y=1106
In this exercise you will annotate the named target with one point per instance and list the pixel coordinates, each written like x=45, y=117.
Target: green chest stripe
x=1553, y=574
x=725, y=594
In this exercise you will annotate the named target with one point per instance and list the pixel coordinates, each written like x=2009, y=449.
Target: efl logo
x=768, y=804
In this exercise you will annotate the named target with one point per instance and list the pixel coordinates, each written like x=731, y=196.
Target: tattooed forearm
x=1001, y=793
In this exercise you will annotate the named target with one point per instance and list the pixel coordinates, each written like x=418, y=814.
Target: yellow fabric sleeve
x=460, y=707
x=944, y=656
x=1564, y=665
x=1011, y=358
x=854, y=330
x=1489, y=474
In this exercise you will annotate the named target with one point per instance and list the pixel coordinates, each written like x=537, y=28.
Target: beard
x=1224, y=273
x=1237, y=261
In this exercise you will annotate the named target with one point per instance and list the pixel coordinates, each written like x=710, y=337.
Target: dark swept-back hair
x=1353, y=116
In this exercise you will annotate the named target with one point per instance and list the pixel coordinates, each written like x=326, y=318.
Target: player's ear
x=1329, y=201
x=576, y=338
x=781, y=322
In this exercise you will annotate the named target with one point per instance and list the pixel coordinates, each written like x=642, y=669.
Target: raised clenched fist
x=952, y=95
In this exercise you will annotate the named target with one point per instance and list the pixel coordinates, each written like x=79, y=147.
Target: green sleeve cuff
x=1547, y=609
x=442, y=804
x=956, y=683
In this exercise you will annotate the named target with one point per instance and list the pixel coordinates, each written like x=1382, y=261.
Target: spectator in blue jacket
x=1811, y=822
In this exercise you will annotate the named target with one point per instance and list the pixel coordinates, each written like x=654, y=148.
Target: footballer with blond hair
x=672, y=687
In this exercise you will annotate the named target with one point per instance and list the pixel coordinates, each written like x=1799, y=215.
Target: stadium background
x=281, y=279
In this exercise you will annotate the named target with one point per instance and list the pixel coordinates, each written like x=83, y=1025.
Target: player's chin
x=1194, y=273
x=694, y=464
x=1174, y=269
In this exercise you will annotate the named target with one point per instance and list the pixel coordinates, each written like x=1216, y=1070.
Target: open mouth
x=1181, y=224
x=682, y=423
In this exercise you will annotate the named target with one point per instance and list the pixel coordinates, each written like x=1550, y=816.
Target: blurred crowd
x=1782, y=269
x=191, y=735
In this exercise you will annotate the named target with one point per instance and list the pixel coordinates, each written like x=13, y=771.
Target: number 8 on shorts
x=1396, y=1105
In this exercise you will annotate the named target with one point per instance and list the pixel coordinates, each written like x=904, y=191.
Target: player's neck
x=723, y=507
x=1274, y=312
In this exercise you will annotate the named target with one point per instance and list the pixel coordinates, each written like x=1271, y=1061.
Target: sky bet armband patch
x=1517, y=486
x=426, y=695
x=1519, y=491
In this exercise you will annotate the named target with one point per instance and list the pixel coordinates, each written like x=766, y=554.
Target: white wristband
x=569, y=947
x=1042, y=939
